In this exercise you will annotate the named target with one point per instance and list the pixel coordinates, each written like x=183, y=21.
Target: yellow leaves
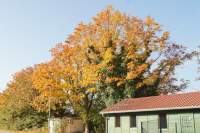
x=136, y=71
x=131, y=55
x=130, y=65
x=66, y=86
x=163, y=39
x=89, y=74
x=118, y=80
x=117, y=18
x=40, y=103
x=139, y=85
x=103, y=15
x=112, y=79
x=47, y=76
x=108, y=55
x=121, y=82
x=75, y=98
x=131, y=75
x=47, y=79
x=141, y=68
x=151, y=79
x=2, y=99
x=149, y=21
x=77, y=63
x=92, y=90
x=82, y=96
x=166, y=34
x=148, y=81
x=69, y=74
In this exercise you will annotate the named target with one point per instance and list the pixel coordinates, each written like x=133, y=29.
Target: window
x=162, y=121
x=117, y=121
x=133, y=121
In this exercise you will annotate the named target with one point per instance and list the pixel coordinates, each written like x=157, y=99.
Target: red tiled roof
x=156, y=103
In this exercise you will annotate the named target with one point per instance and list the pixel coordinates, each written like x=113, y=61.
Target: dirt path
x=2, y=131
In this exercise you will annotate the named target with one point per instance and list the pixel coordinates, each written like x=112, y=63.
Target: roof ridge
x=185, y=100
x=174, y=94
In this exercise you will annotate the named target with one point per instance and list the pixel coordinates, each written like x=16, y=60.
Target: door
x=125, y=124
x=187, y=123
x=110, y=125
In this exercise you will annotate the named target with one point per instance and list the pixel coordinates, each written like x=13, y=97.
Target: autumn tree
x=16, y=111
x=113, y=57
x=136, y=56
x=72, y=78
x=46, y=80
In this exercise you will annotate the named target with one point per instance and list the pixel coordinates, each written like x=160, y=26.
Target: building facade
x=158, y=114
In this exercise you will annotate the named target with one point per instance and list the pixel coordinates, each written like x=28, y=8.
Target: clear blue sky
x=30, y=28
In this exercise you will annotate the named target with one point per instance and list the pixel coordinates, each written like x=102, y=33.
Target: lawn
x=42, y=130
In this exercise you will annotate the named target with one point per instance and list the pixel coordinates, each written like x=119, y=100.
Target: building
x=66, y=125
x=178, y=113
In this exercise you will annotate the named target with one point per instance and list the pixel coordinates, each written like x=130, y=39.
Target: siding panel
x=141, y=118
x=125, y=124
x=187, y=123
x=197, y=121
x=111, y=126
x=152, y=124
x=173, y=122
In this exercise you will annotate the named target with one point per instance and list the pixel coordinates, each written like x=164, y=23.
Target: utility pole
x=49, y=108
x=49, y=102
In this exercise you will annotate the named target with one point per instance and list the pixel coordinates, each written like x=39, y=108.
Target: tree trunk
x=86, y=128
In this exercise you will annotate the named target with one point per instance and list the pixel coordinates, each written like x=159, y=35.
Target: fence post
x=176, y=127
x=194, y=123
x=181, y=123
x=141, y=128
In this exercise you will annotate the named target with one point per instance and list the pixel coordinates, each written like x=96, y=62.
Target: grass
x=41, y=130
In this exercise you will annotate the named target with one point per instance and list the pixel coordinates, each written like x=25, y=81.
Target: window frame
x=133, y=121
x=162, y=121
x=117, y=121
